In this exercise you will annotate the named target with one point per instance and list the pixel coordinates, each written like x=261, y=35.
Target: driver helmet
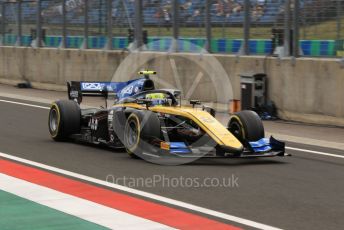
x=157, y=98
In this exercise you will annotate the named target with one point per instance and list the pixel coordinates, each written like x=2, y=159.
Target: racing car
x=150, y=122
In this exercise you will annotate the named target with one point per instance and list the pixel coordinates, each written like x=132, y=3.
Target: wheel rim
x=132, y=134
x=53, y=121
x=235, y=129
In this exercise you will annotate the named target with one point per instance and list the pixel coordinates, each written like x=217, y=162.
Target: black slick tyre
x=132, y=135
x=64, y=119
x=246, y=126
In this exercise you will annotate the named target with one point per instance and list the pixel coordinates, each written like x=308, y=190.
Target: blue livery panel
x=122, y=89
x=266, y=144
x=179, y=147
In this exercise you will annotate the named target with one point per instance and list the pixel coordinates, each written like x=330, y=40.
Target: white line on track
x=144, y=194
x=20, y=103
x=315, y=152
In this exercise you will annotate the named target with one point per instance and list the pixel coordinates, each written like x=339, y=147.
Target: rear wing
x=78, y=89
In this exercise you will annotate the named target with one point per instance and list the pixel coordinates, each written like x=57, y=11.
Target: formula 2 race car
x=151, y=122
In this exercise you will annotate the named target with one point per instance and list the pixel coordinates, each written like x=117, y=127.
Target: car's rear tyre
x=64, y=119
x=246, y=126
x=132, y=135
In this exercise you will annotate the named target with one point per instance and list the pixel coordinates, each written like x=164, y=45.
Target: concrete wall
x=309, y=90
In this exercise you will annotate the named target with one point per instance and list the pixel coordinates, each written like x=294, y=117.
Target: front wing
x=266, y=147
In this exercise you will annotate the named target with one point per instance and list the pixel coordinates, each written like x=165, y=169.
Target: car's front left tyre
x=246, y=126
x=132, y=135
x=64, y=119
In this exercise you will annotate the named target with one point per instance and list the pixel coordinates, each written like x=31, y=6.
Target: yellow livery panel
x=202, y=118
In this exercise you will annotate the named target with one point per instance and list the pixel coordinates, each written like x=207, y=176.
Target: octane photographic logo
x=198, y=75
x=164, y=181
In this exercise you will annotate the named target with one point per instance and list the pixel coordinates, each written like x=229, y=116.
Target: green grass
x=325, y=30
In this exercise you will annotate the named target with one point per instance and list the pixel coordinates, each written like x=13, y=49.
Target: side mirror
x=209, y=110
x=195, y=102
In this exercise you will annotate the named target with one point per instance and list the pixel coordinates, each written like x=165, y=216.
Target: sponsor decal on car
x=92, y=86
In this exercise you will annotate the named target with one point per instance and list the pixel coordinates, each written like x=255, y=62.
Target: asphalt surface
x=304, y=191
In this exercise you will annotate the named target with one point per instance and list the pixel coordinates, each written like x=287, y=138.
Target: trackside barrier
x=303, y=89
x=312, y=48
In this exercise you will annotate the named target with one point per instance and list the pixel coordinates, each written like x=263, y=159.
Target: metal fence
x=263, y=27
